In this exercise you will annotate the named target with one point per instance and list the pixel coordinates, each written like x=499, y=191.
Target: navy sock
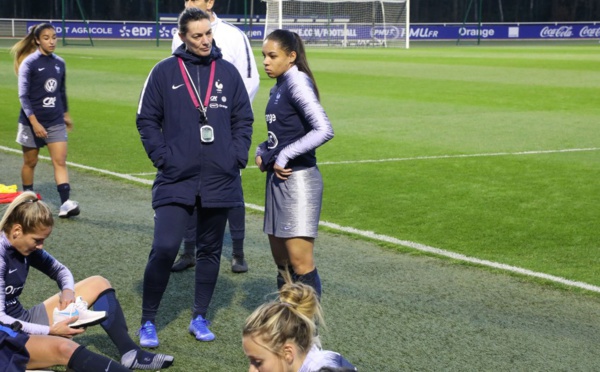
x=280, y=279
x=312, y=278
x=189, y=247
x=64, y=190
x=28, y=187
x=84, y=360
x=115, y=324
x=238, y=247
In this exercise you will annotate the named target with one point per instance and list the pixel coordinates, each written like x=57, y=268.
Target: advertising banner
x=350, y=33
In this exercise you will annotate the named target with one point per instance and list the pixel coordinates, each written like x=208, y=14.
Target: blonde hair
x=29, y=212
x=27, y=45
x=292, y=317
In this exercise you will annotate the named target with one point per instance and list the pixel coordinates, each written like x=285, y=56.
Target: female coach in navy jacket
x=195, y=122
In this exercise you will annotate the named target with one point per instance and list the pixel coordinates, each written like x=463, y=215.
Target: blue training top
x=297, y=123
x=42, y=89
x=14, y=268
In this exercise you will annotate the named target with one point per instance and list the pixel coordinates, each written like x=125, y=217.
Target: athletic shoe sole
x=73, y=212
x=82, y=323
x=88, y=322
x=149, y=345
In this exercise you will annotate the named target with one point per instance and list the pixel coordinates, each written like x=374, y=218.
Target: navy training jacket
x=169, y=126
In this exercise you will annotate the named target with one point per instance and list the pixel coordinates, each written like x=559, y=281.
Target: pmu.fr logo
x=385, y=32
x=125, y=32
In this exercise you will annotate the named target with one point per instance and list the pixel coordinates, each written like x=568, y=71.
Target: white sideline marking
x=75, y=165
x=389, y=239
x=458, y=156
x=460, y=257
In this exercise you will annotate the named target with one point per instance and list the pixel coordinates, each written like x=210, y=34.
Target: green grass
x=384, y=103
x=535, y=211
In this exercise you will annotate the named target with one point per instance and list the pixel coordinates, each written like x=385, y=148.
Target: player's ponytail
x=292, y=42
x=29, y=212
x=27, y=45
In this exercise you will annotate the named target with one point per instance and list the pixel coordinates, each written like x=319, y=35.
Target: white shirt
x=236, y=50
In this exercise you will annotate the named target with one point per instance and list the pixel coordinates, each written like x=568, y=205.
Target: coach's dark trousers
x=170, y=222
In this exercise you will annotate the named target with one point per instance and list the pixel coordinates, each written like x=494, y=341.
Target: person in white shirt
x=236, y=49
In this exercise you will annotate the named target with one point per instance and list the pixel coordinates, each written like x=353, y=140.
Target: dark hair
x=29, y=212
x=189, y=15
x=291, y=42
x=27, y=45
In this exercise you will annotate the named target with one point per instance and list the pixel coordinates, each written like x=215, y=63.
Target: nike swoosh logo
x=41, y=69
x=108, y=366
x=12, y=271
x=176, y=86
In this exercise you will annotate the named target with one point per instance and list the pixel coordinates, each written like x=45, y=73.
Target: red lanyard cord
x=194, y=94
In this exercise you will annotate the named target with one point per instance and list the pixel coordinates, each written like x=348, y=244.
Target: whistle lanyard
x=189, y=84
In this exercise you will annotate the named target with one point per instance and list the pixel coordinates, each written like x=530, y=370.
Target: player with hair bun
x=281, y=336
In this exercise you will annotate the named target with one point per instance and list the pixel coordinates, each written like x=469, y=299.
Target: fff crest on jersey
x=219, y=86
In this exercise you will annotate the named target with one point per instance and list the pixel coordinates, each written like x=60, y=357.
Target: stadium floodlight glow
x=344, y=23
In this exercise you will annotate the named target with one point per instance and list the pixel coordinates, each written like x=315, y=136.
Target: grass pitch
x=489, y=151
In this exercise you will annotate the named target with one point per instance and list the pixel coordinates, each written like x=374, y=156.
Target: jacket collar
x=187, y=56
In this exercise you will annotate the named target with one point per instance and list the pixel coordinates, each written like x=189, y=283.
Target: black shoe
x=185, y=261
x=238, y=264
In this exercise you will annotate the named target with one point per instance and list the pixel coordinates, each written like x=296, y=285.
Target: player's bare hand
x=282, y=173
x=68, y=122
x=39, y=130
x=65, y=297
x=259, y=163
x=62, y=328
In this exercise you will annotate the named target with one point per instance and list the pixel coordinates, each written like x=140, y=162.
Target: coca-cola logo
x=560, y=32
x=587, y=31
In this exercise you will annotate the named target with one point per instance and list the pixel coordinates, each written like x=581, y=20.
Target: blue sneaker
x=148, y=336
x=199, y=328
